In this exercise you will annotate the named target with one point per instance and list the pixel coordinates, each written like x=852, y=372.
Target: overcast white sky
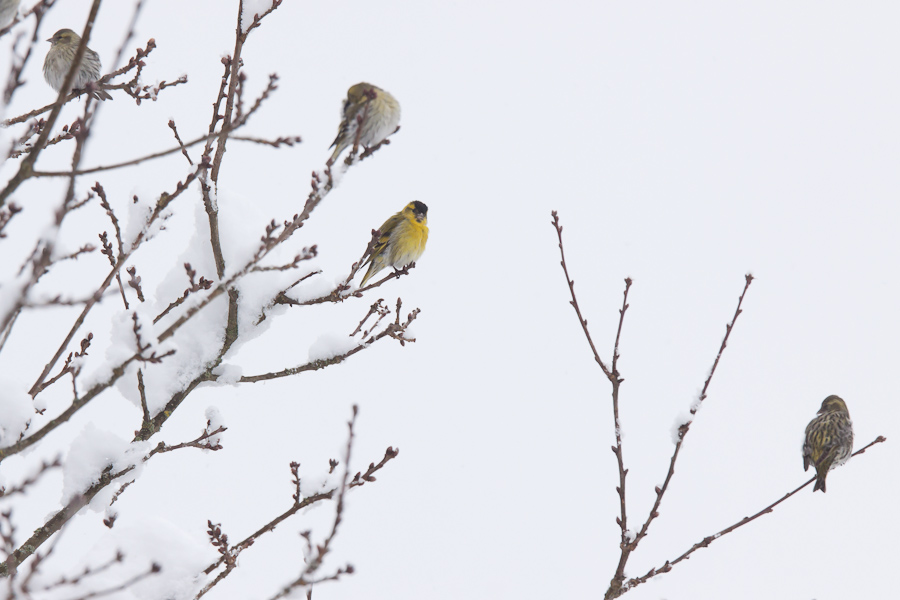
x=683, y=144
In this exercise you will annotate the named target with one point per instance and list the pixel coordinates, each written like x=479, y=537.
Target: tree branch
x=667, y=566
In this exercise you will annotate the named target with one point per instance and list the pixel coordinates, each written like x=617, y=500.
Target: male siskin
x=829, y=439
x=379, y=112
x=402, y=240
x=8, y=10
x=63, y=46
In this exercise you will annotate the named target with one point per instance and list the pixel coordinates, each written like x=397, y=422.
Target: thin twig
x=128, y=163
x=392, y=330
x=617, y=449
x=574, y=302
x=202, y=442
x=178, y=139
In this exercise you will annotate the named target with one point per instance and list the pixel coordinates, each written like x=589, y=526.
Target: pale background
x=684, y=145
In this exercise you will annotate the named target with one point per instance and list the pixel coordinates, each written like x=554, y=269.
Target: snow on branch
x=168, y=334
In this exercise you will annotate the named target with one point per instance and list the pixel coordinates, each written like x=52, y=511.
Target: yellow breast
x=407, y=242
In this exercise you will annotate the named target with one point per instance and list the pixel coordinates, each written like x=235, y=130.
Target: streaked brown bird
x=63, y=46
x=378, y=111
x=829, y=439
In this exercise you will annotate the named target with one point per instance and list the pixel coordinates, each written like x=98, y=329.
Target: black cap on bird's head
x=419, y=209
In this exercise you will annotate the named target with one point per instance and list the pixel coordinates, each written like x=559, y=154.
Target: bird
x=829, y=439
x=63, y=46
x=401, y=240
x=8, y=10
x=378, y=111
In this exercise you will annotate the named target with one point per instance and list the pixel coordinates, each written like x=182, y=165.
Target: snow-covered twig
x=393, y=330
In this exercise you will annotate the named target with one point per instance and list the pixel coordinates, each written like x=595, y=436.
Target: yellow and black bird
x=402, y=240
x=829, y=439
x=378, y=111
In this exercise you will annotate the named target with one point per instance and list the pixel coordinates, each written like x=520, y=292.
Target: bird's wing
x=386, y=229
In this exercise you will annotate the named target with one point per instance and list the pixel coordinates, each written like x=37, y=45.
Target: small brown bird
x=63, y=46
x=829, y=439
x=378, y=111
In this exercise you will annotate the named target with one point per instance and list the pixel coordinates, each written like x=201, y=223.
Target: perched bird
x=63, y=46
x=380, y=114
x=829, y=439
x=402, y=240
x=8, y=10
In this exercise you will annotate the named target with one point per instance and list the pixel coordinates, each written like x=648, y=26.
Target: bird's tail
x=338, y=148
x=341, y=141
x=100, y=94
x=820, y=482
x=369, y=274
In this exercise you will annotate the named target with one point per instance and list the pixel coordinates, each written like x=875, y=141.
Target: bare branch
x=276, y=143
x=574, y=302
x=667, y=566
x=229, y=554
x=180, y=143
